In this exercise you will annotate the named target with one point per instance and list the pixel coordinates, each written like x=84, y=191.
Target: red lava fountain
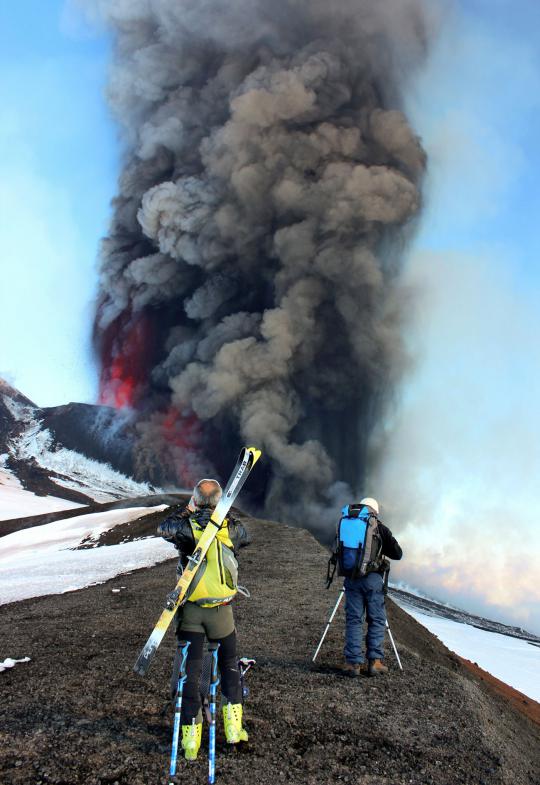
x=125, y=361
x=127, y=351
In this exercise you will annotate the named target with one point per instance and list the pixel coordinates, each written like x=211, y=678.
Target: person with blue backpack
x=363, y=545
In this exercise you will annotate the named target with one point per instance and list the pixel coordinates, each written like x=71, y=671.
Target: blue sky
x=58, y=157
x=465, y=436
x=477, y=106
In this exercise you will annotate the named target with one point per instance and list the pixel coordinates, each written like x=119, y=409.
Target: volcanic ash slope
x=76, y=713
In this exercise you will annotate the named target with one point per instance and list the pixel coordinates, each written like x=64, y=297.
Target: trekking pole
x=385, y=592
x=214, y=681
x=394, y=645
x=183, y=646
x=244, y=665
x=341, y=594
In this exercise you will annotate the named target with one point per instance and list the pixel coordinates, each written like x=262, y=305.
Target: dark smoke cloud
x=269, y=185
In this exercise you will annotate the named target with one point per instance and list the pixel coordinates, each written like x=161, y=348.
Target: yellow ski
x=246, y=461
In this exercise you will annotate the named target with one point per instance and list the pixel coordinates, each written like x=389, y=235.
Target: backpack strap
x=331, y=569
x=386, y=574
x=372, y=564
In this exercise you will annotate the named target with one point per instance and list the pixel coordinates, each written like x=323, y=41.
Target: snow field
x=16, y=502
x=513, y=661
x=40, y=561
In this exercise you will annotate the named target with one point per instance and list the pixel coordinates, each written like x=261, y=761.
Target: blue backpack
x=359, y=545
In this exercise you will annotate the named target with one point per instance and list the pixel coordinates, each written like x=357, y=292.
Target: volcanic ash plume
x=249, y=279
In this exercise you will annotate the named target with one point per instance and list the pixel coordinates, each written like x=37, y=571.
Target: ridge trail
x=77, y=714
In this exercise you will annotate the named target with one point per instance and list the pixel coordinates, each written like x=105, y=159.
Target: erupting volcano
x=126, y=358
x=250, y=278
x=126, y=349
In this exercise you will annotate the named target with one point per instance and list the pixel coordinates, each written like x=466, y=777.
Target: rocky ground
x=77, y=714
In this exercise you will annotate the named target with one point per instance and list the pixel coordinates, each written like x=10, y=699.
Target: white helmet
x=373, y=503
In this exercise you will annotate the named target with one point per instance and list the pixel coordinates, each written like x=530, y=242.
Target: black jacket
x=390, y=546
x=176, y=528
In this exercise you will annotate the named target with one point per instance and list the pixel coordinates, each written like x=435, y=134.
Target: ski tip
x=255, y=452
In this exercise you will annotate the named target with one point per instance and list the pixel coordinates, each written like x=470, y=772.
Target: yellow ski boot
x=232, y=719
x=191, y=739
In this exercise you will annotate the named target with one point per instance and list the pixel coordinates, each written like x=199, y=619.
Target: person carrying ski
x=208, y=611
x=362, y=543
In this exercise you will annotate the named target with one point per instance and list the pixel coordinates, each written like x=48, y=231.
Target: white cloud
x=460, y=478
x=461, y=474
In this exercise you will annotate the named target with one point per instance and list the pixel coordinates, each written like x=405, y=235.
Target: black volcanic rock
x=15, y=408
x=9, y=426
x=30, y=437
x=99, y=432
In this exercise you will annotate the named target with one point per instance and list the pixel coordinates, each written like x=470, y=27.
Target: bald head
x=207, y=493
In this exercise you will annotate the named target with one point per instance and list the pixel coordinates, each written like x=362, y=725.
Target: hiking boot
x=352, y=669
x=376, y=667
x=191, y=740
x=232, y=719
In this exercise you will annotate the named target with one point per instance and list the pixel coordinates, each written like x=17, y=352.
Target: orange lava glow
x=182, y=432
x=128, y=349
x=125, y=362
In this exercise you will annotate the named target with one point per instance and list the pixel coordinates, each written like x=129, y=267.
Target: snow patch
x=93, y=493
x=97, y=480
x=16, y=502
x=19, y=411
x=7, y=478
x=512, y=660
x=40, y=561
x=10, y=663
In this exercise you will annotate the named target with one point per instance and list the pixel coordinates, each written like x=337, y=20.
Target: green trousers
x=215, y=623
